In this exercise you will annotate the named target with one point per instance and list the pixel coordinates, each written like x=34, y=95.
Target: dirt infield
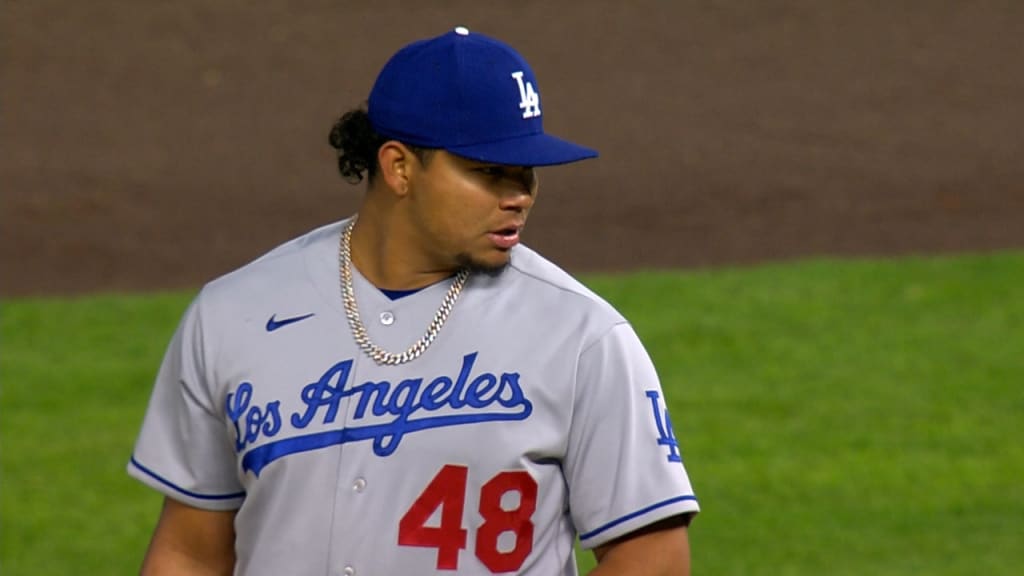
x=156, y=144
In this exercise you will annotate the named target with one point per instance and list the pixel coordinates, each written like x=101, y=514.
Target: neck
x=388, y=255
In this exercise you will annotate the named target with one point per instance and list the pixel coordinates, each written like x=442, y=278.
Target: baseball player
x=411, y=390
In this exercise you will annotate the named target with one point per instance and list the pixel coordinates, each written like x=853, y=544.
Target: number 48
x=447, y=491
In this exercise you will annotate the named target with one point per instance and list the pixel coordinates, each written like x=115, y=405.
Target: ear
x=397, y=166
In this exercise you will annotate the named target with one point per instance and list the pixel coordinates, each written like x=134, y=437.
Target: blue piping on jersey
x=640, y=512
x=171, y=485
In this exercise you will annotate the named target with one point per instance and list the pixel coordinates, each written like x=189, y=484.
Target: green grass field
x=839, y=418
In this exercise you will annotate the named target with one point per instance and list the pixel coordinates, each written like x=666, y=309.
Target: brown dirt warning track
x=154, y=145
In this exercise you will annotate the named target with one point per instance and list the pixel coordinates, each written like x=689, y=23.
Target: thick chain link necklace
x=348, y=297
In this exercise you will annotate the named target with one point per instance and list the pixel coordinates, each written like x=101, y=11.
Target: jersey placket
x=393, y=325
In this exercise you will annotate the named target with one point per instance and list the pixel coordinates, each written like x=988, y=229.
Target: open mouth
x=505, y=238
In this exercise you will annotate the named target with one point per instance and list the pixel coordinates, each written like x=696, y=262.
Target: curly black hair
x=357, y=144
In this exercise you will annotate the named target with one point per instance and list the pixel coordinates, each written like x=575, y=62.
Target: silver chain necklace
x=348, y=297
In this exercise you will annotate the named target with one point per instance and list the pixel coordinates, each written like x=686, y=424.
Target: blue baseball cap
x=471, y=95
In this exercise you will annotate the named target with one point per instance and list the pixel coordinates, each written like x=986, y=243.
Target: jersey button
x=387, y=318
x=359, y=485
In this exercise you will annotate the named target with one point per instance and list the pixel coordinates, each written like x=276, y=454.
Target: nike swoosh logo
x=273, y=323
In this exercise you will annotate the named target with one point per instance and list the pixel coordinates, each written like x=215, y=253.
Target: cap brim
x=532, y=150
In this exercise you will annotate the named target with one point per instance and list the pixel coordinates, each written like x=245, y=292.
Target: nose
x=516, y=198
x=519, y=192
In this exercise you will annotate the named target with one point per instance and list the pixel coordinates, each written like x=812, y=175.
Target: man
x=411, y=390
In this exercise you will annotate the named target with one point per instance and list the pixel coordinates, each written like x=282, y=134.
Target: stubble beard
x=477, y=267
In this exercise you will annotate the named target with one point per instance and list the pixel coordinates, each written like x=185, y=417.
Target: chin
x=488, y=266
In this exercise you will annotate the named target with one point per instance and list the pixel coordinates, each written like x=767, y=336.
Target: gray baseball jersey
x=535, y=417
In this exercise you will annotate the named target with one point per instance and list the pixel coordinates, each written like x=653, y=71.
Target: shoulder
x=539, y=288
x=296, y=268
x=545, y=276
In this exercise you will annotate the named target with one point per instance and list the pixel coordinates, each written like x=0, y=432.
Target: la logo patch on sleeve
x=666, y=435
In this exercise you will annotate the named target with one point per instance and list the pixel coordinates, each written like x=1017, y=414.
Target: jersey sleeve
x=623, y=464
x=183, y=449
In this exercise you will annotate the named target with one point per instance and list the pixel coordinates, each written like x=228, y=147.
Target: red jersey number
x=447, y=491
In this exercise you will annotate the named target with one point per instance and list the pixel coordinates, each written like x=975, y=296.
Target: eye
x=492, y=171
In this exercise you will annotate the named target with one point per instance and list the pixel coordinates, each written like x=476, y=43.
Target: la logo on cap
x=529, y=100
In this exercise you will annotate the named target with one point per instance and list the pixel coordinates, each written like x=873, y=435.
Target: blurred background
x=830, y=191
x=158, y=144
